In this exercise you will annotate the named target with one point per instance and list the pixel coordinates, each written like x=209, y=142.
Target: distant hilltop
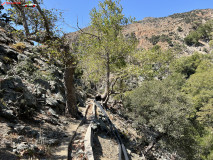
x=172, y=30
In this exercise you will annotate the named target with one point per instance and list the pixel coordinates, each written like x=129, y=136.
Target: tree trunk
x=71, y=107
x=105, y=96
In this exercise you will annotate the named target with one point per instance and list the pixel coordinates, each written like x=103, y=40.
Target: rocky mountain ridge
x=170, y=30
x=175, y=28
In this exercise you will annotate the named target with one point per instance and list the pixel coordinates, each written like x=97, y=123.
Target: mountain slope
x=167, y=32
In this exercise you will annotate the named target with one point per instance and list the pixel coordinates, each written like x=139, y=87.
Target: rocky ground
x=32, y=101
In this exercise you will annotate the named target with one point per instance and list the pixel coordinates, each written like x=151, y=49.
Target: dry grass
x=19, y=46
x=2, y=29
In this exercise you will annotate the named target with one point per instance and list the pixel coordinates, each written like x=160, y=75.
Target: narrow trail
x=98, y=138
x=92, y=138
x=78, y=150
x=61, y=152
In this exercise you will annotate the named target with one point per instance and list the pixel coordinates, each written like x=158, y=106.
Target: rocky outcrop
x=32, y=100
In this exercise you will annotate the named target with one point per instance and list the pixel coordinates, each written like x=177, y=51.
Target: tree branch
x=93, y=35
x=44, y=17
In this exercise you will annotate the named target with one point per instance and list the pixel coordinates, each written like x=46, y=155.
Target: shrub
x=19, y=46
x=203, y=32
x=200, y=87
x=179, y=29
x=192, y=39
x=160, y=106
x=154, y=39
x=187, y=65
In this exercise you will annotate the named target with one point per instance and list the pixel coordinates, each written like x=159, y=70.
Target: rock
x=22, y=146
x=5, y=37
x=30, y=99
x=25, y=130
x=52, y=142
x=42, y=83
x=14, y=83
x=129, y=151
x=28, y=53
x=3, y=68
x=59, y=97
x=80, y=151
x=52, y=112
x=22, y=57
x=19, y=129
x=33, y=133
x=41, y=63
x=52, y=121
x=8, y=144
x=8, y=114
x=20, y=139
x=52, y=102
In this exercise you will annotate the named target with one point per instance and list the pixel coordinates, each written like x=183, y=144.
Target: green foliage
x=206, y=145
x=203, y=32
x=160, y=38
x=187, y=65
x=104, y=49
x=27, y=67
x=200, y=87
x=154, y=39
x=180, y=29
x=211, y=43
x=192, y=39
x=35, y=21
x=152, y=63
x=19, y=34
x=159, y=105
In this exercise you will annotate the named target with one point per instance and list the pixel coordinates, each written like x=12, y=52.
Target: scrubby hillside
x=171, y=30
x=167, y=32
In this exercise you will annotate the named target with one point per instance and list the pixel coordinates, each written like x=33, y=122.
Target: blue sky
x=135, y=8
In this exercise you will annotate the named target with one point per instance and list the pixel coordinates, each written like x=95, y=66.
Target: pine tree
x=103, y=50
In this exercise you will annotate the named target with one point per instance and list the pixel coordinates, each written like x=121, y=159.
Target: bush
x=19, y=46
x=160, y=106
x=187, y=65
x=200, y=87
x=154, y=39
x=180, y=29
x=192, y=39
x=203, y=32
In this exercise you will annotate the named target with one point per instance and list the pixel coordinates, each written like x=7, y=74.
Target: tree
x=203, y=32
x=199, y=86
x=60, y=49
x=103, y=50
x=39, y=24
x=153, y=63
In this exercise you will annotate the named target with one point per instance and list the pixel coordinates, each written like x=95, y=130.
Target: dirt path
x=61, y=152
x=105, y=148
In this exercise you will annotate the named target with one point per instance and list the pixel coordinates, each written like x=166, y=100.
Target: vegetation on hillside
x=169, y=98
x=203, y=32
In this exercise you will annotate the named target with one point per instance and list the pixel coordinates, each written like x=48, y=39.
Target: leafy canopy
x=103, y=48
